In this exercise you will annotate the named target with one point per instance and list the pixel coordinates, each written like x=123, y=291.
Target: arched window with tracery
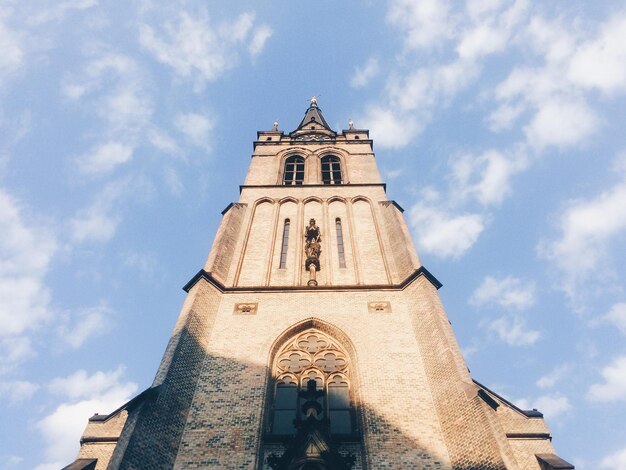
x=331, y=170
x=294, y=170
x=312, y=359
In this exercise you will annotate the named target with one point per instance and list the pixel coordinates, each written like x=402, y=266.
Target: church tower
x=313, y=338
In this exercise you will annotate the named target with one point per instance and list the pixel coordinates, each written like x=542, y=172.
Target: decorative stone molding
x=379, y=307
x=249, y=308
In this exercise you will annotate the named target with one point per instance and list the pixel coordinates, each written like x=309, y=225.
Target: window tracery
x=312, y=356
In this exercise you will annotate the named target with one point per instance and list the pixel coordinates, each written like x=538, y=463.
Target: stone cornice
x=207, y=276
x=291, y=186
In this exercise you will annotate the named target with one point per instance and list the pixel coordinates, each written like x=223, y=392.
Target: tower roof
x=313, y=115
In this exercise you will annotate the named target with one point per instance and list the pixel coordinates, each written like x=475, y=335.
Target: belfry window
x=311, y=365
x=331, y=170
x=294, y=171
x=340, y=251
x=285, y=246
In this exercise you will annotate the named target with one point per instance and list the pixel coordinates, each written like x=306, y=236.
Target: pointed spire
x=313, y=114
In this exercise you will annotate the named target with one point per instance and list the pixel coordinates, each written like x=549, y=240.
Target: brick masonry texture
x=416, y=404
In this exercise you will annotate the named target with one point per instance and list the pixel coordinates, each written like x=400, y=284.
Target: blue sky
x=126, y=127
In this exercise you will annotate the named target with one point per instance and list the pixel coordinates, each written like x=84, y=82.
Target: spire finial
x=313, y=101
x=275, y=125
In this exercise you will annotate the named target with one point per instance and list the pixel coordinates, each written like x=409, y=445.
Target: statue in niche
x=313, y=246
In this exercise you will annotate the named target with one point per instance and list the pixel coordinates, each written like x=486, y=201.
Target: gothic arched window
x=312, y=359
x=331, y=170
x=340, y=248
x=284, y=246
x=294, y=170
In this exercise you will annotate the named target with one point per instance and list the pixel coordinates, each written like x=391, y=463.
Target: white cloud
x=90, y=225
x=82, y=385
x=363, y=75
x=26, y=250
x=482, y=40
x=425, y=23
x=601, y=63
x=98, y=222
x=587, y=229
x=13, y=351
x=104, y=158
x=514, y=331
x=486, y=176
x=101, y=392
x=411, y=99
x=196, y=50
x=557, y=374
x=504, y=117
x=617, y=316
x=115, y=89
x=614, y=386
x=509, y=292
x=17, y=391
x=143, y=262
x=390, y=129
x=550, y=405
x=173, y=181
x=196, y=127
x=164, y=142
x=478, y=8
x=11, y=50
x=444, y=234
x=59, y=11
x=84, y=324
x=615, y=461
x=561, y=123
x=260, y=37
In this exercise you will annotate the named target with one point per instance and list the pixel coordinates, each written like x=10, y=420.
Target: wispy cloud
x=617, y=316
x=485, y=177
x=550, y=405
x=104, y=158
x=514, y=331
x=424, y=23
x=615, y=460
x=98, y=222
x=59, y=11
x=17, y=391
x=363, y=74
x=443, y=233
x=26, y=251
x=508, y=292
x=81, y=326
x=199, y=51
x=260, y=36
x=195, y=127
x=586, y=230
x=85, y=394
x=554, y=376
x=11, y=50
x=614, y=386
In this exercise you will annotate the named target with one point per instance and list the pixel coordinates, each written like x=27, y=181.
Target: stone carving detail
x=312, y=249
x=249, y=308
x=379, y=307
x=312, y=137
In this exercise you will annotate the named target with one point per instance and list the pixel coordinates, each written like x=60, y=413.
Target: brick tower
x=314, y=339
